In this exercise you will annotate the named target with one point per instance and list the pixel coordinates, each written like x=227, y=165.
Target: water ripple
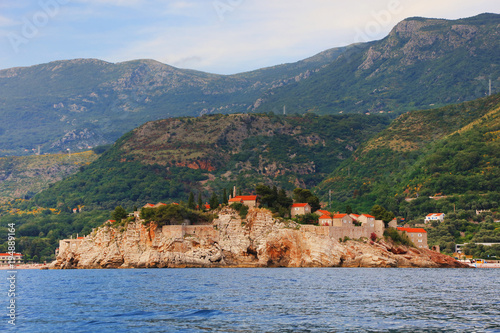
x=257, y=300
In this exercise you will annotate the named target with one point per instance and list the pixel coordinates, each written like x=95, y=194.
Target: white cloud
x=6, y=21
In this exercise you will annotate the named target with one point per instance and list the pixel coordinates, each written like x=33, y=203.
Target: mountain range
x=83, y=103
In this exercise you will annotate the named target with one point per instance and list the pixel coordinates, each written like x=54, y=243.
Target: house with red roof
x=325, y=220
x=159, y=204
x=342, y=220
x=417, y=235
x=434, y=217
x=354, y=217
x=7, y=258
x=366, y=219
x=300, y=209
x=248, y=200
x=321, y=212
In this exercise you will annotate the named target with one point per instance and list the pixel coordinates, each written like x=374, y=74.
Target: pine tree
x=119, y=214
x=200, y=202
x=225, y=200
x=214, y=201
x=191, y=201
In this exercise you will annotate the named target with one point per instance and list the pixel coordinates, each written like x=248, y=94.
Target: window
x=419, y=235
x=420, y=241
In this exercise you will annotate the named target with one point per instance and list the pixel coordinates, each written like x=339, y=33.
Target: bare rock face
x=257, y=241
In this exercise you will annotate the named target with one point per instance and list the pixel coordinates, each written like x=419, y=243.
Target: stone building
x=417, y=235
x=248, y=200
x=300, y=209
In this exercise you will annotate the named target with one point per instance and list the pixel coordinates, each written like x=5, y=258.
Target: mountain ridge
x=80, y=103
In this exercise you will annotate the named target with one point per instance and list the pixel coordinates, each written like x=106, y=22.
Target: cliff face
x=258, y=241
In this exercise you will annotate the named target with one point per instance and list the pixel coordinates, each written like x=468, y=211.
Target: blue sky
x=218, y=36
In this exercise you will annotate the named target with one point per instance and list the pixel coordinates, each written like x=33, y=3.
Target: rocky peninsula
x=230, y=241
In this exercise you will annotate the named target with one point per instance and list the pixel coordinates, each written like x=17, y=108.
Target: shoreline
x=24, y=266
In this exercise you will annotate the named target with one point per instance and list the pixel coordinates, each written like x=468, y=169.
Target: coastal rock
x=230, y=241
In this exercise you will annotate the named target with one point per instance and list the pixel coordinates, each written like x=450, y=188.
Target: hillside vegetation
x=452, y=150
x=23, y=177
x=450, y=154
x=169, y=158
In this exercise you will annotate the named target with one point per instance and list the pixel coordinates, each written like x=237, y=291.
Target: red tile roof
x=324, y=217
x=339, y=216
x=299, y=205
x=8, y=254
x=435, y=214
x=246, y=197
x=149, y=205
x=235, y=199
x=367, y=215
x=323, y=212
x=412, y=230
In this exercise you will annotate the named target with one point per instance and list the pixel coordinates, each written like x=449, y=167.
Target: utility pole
x=284, y=108
x=490, y=89
x=69, y=152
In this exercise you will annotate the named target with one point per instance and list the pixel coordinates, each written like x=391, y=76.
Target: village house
x=342, y=220
x=366, y=219
x=393, y=223
x=300, y=209
x=321, y=212
x=6, y=258
x=434, y=217
x=248, y=200
x=355, y=217
x=417, y=235
x=159, y=204
x=325, y=220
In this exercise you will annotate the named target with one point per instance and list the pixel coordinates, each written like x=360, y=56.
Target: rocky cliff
x=257, y=241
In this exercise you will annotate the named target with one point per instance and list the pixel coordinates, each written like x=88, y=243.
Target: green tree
x=225, y=198
x=381, y=213
x=305, y=196
x=119, y=213
x=274, y=199
x=191, y=204
x=200, y=202
x=214, y=201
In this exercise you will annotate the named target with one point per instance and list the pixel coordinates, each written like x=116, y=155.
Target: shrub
x=373, y=236
x=241, y=209
x=307, y=218
x=398, y=238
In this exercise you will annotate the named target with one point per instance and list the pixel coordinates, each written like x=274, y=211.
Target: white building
x=434, y=217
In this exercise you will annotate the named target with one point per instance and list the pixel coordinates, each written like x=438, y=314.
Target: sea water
x=254, y=300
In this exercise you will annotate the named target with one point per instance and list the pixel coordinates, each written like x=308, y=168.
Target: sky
x=217, y=36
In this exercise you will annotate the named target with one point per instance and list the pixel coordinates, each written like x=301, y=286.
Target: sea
x=252, y=300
